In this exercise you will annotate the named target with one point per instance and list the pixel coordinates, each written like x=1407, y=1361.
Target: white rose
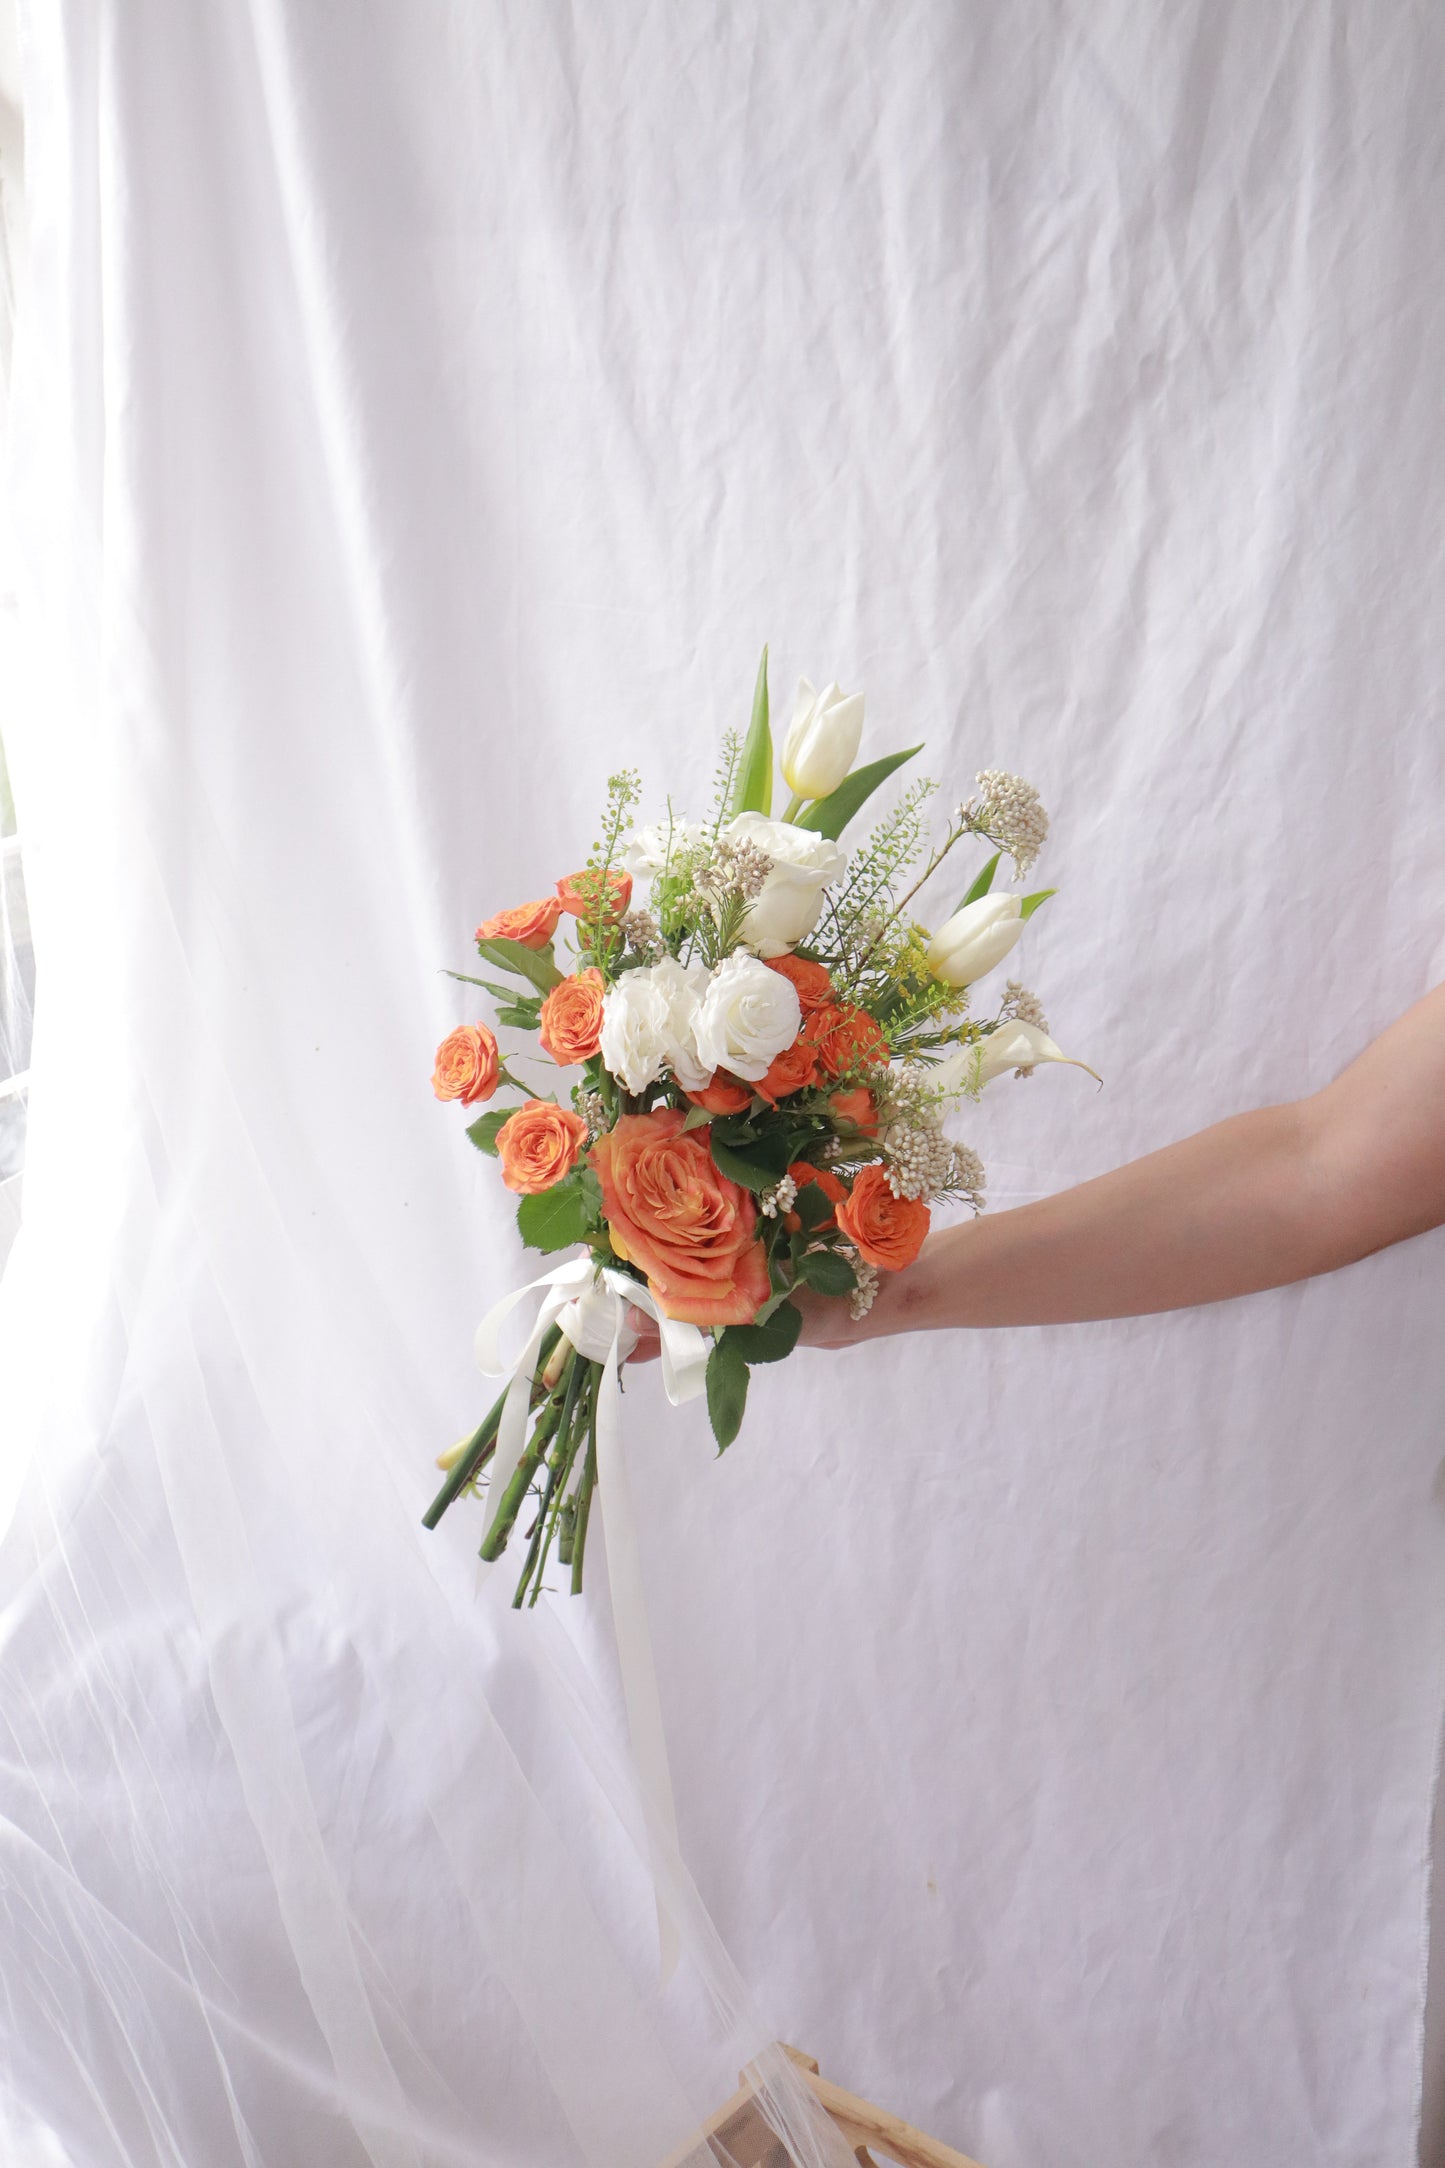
x=682, y=988
x=822, y=741
x=636, y=1030
x=791, y=901
x=976, y=938
x=748, y=1015
x=649, y=849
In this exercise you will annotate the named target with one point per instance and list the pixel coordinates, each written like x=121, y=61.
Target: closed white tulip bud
x=822, y=741
x=975, y=939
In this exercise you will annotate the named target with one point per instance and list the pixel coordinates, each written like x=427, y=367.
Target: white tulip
x=822, y=741
x=791, y=900
x=748, y=1015
x=976, y=938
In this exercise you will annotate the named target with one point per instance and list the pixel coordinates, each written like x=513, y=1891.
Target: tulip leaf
x=483, y=1133
x=827, y=1272
x=727, y=1390
x=753, y=790
x=1029, y=904
x=523, y=963
x=831, y=815
x=555, y=1218
x=770, y=1341
x=984, y=882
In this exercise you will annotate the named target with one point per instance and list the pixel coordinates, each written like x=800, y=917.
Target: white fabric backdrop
x=423, y=412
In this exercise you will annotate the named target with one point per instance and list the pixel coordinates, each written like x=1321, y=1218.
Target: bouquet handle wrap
x=590, y=1306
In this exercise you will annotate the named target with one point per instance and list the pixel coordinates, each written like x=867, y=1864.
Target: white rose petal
x=682, y=988
x=636, y=1021
x=649, y=849
x=791, y=901
x=748, y=1015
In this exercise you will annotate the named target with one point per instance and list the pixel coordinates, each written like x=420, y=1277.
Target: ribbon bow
x=589, y=1305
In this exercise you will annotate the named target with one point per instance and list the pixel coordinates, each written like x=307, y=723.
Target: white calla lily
x=822, y=741
x=978, y=936
x=1012, y=1045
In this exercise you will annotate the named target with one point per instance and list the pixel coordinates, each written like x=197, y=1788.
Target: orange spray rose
x=846, y=1038
x=466, y=1065
x=791, y=1071
x=538, y=1145
x=811, y=981
x=578, y=892
x=857, y=1108
x=571, y=1026
x=724, y=1095
x=533, y=924
x=888, y=1230
x=670, y=1212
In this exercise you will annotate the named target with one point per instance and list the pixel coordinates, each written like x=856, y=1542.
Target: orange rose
x=887, y=1230
x=724, y=1095
x=571, y=1026
x=803, y=1172
x=670, y=1212
x=579, y=892
x=814, y=987
x=856, y=1109
x=533, y=924
x=791, y=1071
x=466, y=1065
x=538, y=1145
x=846, y=1038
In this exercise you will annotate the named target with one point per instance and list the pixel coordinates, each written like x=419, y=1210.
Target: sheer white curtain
x=422, y=412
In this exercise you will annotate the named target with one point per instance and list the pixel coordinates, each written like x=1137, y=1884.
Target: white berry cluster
x=1019, y=1003
x=1012, y=815
x=780, y=1198
x=733, y=867
x=643, y=935
x=591, y=1107
x=861, y=1300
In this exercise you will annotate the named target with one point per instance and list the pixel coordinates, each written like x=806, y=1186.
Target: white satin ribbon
x=590, y=1306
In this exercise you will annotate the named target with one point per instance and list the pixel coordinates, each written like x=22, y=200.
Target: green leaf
x=524, y=963
x=753, y=790
x=1030, y=904
x=771, y=1340
x=697, y=1117
x=757, y=1167
x=727, y=1391
x=813, y=1205
x=555, y=1218
x=483, y=1133
x=520, y=1015
x=827, y=1272
x=984, y=882
x=831, y=815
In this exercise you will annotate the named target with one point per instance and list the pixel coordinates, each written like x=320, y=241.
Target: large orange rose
x=724, y=1095
x=533, y=924
x=579, y=892
x=811, y=981
x=466, y=1065
x=846, y=1037
x=791, y=1071
x=888, y=1230
x=670, y=1212
x=571, y=1024
x=803, y=1171
x=538, y=1145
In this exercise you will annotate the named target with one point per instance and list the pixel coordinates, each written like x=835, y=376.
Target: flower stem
x=794, y=807
x=586, y=1485
x=558, y=1462
x=478, y=1448
x=494, y=1542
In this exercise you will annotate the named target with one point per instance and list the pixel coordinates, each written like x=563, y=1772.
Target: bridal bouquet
x=750, y=1056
